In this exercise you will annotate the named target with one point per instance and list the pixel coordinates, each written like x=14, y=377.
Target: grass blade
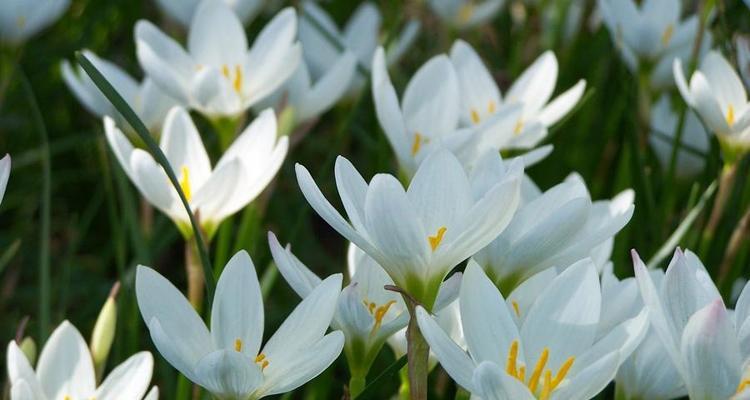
x=130, y=116
x=392, y=369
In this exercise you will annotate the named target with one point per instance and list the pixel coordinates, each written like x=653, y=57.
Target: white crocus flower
x=182, y=11
x=427, y=117
x=218, y=75
x=664, y=123
x=228, y=361
x=238, y=178
x=360, y=36
x=419, y=234
x=65, y=371
x=465, y=14
x=553, y=353
x=147, y=100
x=21, y=19
x=708, y=344
x=522, y=118
x=557, y=228
x=305, y=99
x=716, y=93
x=644, y=375
x=651, y=35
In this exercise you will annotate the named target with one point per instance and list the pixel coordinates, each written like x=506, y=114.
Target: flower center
x=666, y=36
x=475, y=118
x=260, y=359
x=730, y=115
x=416, y=145
x=437, y=238
x=548, y=382
x=235, y=78
x=518, y=128
x=185, y=182
x=378, y=312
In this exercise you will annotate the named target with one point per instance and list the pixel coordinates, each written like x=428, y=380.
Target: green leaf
x=392, y=369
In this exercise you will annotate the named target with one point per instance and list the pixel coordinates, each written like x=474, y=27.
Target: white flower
x=428, y=115
x=183, y=11
x=707, y=344
x=716, y=93
x=307, y=100
x=228, y=361
x=146, y=99
x=21, y=19
x=552, y=353
x=557, y=228
x=419, y=234
x=218, y=75
x=366, y=313
x=65, y=371
x=464, y=14
x=360, y=36
x=4, y=175
x=651, y=33
x=241, y=174
x=521, y=119
x=694, y=136
x=644, y=375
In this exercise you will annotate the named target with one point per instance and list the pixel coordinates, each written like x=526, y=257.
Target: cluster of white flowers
x=537, y=312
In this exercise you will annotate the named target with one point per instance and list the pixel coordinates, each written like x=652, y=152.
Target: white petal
x=352, y=191
x=129, y=380
x=119, y=144
x=430, y=102
x=154, y=185
x=493, y=383
x=297, y=275
x=387, y=108
x=216, y=35
x=65, y=367
x=210, y=200
x=454, y=360
x=535, y=85
x=168, y=64
x=182, y=144
x=4, y=175
x=479, y=92
x=562, y=104
x=229, y=374
x=329, y=88
x=22, y=391
x=20, y=370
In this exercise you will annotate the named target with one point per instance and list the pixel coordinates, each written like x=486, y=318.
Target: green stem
x=403, y=389
x=462, y=394
x=620, y=392
x=726, y=182
x=418, y=352
x=356, y=385
x=194, y=275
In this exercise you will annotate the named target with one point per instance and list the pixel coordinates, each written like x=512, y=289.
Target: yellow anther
x=225, y=70
x=66, y=397
x=730, y=115
x=562, y=372
x=474, y=116
x=666, y=36
x=185, y=182
x=491, y=107
x=546, y=386
x=437, y=238
x=518, y=128
x=466, y=12
x=538, y=368
x=382, y=310
x=261, y=359
x=522, y=373
x=237, y=78
x=743, y=385
x=417, y=143
x=510, y=365
x=238, y=345
x=516, y=308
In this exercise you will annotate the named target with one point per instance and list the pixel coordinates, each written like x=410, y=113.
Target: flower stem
x=735, y=244
x=418, y=352
x=356, y=385
x=403, y=389
x=726, y=182
x=194, y=273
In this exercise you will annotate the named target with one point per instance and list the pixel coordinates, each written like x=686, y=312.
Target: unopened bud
x=287, y=121
x=104, y=330
x=28, y=347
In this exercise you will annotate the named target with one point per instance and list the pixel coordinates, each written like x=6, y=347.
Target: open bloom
x=218, y=75
x=228, y=361
x=305, y=99
x=147, y=100
x=716, y=93
x=559, y=227
x=694, y=144
x=419, y=234
x=464, y=14
x=427, y=117
x=21, y=19
x=183, y=11
x=360, y=36
x=706, y=343
x=546, y=350
x=241, y=174
x=652, y=35
x=65, y=371
x=521, y=119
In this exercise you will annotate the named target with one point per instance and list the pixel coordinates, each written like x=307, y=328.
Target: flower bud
x=28, y=347
x=104, y=330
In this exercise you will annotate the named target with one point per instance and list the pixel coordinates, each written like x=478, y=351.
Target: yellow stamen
x=380, y=313
x=491, y=107
x=546, y=386
x=66, y=397
x=562, y=372
x=521, y=373
x=538, y=368
x=516, y=308
x=261, y=359
x=666, y=36
x=465, y=13
x=417, y=143
x=510, y=365
x=730, y=115
x=518, y=128
x=225, y=70
x=237, y=78
x=238, y=345
x=743, y=385
x=185, y=183
x=474, y=116
x=437, y=238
